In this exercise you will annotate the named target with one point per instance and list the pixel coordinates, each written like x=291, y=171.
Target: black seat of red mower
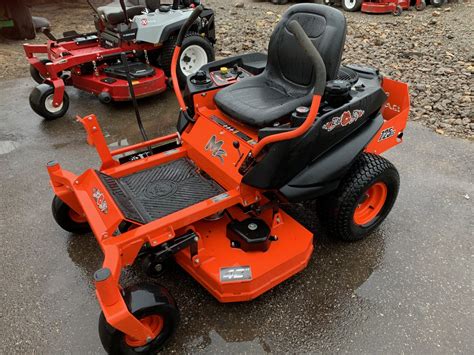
x=288, y=79
x=113, y=14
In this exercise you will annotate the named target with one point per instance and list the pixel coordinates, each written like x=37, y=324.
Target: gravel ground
x=432, y=50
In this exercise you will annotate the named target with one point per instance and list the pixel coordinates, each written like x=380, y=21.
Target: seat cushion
x=258, y=102
x=113, y=13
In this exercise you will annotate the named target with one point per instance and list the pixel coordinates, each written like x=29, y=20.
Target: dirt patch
x=432, y=50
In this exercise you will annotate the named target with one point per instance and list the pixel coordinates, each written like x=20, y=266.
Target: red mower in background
x=254, y=133
x=144, y=30
x=395, y=7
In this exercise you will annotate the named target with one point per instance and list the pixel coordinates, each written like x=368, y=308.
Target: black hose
x=187, y=25
x=123, y=57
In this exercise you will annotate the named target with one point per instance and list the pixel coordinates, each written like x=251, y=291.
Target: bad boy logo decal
x=215, y=147
x=100, y=200
x=345, y=119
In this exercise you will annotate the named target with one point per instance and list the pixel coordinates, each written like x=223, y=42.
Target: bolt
x=158, y=267
x=76, y=182
x=196, y=261
x=104, y=235
x=154, y=243
x=196, y=239
x=94, y=128
x=148, y=339
x=89, y=118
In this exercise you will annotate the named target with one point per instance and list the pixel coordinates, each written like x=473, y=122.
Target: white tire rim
x=48, y=104
x=350, y=4
x=192, y=59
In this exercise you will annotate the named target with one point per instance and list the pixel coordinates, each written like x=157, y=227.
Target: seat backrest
x=287, y=62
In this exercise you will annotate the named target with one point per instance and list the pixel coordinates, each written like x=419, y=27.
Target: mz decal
x=215, y=147
x=387, y=133
x=345, y=119
x=100, y=200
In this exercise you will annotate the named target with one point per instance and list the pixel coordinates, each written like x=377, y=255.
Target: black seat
x=112, y=13
x=288, y=79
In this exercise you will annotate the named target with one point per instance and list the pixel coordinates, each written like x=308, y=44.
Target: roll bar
x=313, y=54
x=319, y=86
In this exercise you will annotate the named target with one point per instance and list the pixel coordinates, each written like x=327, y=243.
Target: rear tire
x=68, y=219
x=421, y=6
x=203, y=45
x=41, y=99
x=351, y=5
x=363, y=199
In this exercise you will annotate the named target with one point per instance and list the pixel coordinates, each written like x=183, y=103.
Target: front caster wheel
x=68, y=219
x=155, y=308
x=41, y=101
x=363, y=199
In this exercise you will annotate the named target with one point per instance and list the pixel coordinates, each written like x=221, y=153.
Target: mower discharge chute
x=91, y=61
x=254, y=132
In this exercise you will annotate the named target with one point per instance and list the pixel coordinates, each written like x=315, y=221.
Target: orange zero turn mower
x=254, y=132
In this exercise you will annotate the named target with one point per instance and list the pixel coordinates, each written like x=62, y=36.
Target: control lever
x=236, y=145
x=237, y=71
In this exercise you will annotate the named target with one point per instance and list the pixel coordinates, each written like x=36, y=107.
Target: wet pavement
x=407, y=288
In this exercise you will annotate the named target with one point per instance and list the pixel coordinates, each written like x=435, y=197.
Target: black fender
x=325, y=173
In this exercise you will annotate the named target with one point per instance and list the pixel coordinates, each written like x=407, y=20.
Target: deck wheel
x=41, y=101
x=363, y=199
x=154, y=269
x=68, y=219
x=437, y=3
x=398, y=11
x=155, y=308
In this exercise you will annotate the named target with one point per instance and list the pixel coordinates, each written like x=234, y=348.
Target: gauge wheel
x=152, y=305
x=41, y=101
x=351, y=5
x=398, y=11
x=363, y=199
x=196, y=51
x=68, y=219
x=153, y=268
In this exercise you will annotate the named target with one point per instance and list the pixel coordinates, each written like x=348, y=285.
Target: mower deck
x=233, y=275
x=162, y=190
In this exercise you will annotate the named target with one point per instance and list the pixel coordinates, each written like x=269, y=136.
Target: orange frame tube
x=313, y=112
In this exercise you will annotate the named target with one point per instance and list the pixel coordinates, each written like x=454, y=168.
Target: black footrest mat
x=157, y=192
